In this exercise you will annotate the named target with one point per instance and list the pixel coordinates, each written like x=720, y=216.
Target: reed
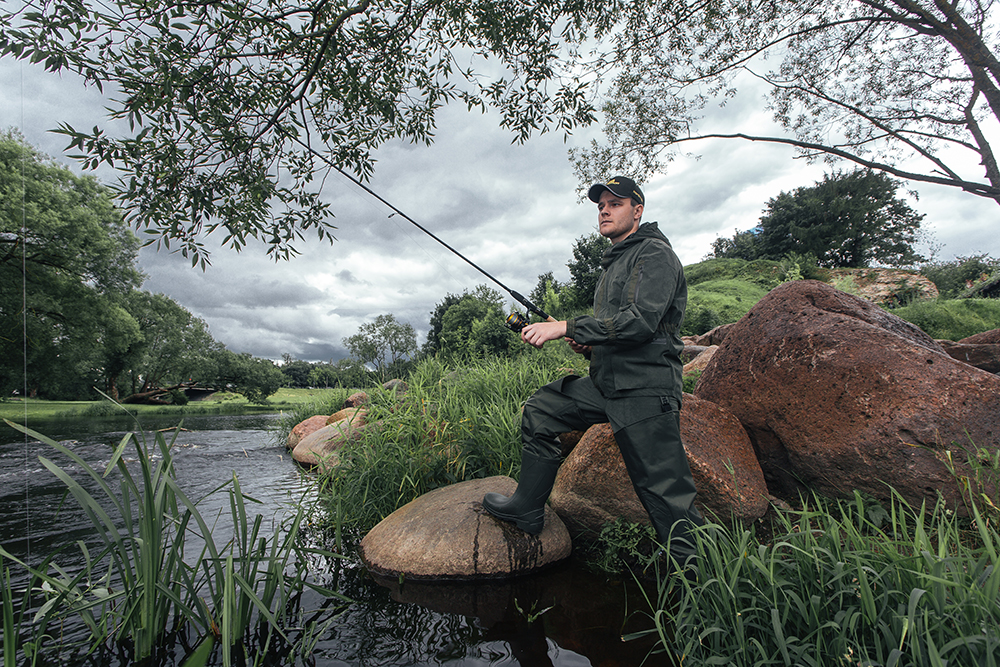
x=141, y=585
x=841, y=583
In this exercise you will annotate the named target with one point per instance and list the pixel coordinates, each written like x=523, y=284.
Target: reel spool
x=516, y=321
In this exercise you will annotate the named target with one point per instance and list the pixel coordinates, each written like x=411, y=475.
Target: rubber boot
x=526, y=508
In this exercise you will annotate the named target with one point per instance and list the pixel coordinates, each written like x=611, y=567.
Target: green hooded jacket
x=638, y=310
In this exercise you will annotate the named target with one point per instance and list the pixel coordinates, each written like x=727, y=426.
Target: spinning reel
x=516, y=321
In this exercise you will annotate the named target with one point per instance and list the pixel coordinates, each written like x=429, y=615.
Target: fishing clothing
x=634, y=384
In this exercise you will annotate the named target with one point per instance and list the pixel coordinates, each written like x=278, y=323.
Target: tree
x=67, y=263
x=237, y=108
x=585, y=269
x=253, y=377
x=297, y=372
x=846, y=220
x=742, y=245
x=433, y=344
x=175, y=345
x=474, y=326
x=384, y=344
x=907, y=87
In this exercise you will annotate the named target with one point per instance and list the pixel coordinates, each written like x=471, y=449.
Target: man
x=635, y=382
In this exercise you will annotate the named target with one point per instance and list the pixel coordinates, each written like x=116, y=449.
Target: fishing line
x=24, y=327
x=520, y=298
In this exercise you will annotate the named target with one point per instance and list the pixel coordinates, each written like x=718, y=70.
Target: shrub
x=952, y=319
x=954, y=277
x=716, y=302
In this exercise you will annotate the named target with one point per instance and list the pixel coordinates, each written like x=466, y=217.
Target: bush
x=952, y=319
x=953, y=278
x=716, y=302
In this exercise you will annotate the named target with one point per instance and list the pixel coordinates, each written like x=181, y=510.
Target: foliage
x=954, y=277
x=585, y=269
x=255, y=378
x=472, y=326
x=297, y=372
x=454, y=423
x=840, y=582
x=143, y=584
x=237, y=111
x=173, y=346
x=763, y=272
x=67, y=261
x=908, y=88
x=385, y=344
x=952, y=319
x=715, y=302
x=846, y=220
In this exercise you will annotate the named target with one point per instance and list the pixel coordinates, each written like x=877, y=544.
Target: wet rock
x=447, y=535
x=593, y=488
x=304, y=428
x=320, y=447
x=838, y=395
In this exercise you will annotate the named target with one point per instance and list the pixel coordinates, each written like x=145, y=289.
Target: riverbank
x=220, y=403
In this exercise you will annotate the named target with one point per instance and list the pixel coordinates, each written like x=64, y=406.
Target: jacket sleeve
x=647, y=294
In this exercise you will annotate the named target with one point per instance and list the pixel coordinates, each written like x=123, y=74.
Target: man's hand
x=540, y=333
x=585, y=350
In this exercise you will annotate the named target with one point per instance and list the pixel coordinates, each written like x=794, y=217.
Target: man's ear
x=637, y=214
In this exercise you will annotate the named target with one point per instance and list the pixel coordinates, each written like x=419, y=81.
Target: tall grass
x=142, y=584
x=453, y=424
x=841, y=583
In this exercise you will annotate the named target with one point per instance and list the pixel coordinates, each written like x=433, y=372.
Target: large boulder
x=320, y=447
x=838, y=395
x=447, y=535
x=592, y=487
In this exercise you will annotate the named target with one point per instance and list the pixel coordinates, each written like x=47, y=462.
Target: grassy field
x=285, y=400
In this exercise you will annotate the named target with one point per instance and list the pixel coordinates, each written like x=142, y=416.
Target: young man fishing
x=634, y=345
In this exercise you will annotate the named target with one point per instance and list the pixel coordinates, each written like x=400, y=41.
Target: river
x=583, y=615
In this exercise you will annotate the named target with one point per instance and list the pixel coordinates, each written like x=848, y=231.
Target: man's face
x=617, y=217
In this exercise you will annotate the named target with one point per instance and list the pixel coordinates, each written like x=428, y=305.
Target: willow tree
x=907, y=87
x=237, y=110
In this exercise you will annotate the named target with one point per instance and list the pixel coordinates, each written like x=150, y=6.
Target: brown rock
x=884, y=286
x=320, y=447
x=592, y=487
x=984, y=356
x=709, y=338
x=357, y=399
x=304, y=428
x=701, y=361
x=991, y=337
x=446, y=535
x=837, y=394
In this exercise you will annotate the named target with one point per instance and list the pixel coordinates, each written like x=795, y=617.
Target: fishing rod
x=515, y=321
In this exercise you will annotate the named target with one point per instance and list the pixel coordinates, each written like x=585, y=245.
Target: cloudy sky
x=512, y=209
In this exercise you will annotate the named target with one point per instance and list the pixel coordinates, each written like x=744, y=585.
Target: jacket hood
x=647, y=230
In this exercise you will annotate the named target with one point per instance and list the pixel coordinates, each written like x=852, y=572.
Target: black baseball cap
x=619, y=186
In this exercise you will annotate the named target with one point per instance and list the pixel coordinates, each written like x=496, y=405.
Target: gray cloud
x=511, y=209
